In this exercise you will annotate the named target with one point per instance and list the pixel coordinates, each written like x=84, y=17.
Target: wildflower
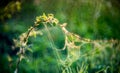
x=51, y=16
x=55, y=21
x=37, y=19
x=43, y=17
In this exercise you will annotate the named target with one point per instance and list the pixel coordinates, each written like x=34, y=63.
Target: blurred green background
x=93, y=19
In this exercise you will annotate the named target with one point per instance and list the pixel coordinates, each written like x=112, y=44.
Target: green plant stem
x=22, y=49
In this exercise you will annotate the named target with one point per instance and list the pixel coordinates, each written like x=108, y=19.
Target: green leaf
x=29, y=49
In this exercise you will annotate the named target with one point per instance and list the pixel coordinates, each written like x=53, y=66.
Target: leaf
x=29, y=49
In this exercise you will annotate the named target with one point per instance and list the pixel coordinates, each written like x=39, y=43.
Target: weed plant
x=75, y=53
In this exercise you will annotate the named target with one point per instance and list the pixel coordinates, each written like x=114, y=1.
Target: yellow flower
x=50, y=16
x=44, y=17
x=55, y=21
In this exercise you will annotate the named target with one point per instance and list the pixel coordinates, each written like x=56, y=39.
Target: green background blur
x=93, y=19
